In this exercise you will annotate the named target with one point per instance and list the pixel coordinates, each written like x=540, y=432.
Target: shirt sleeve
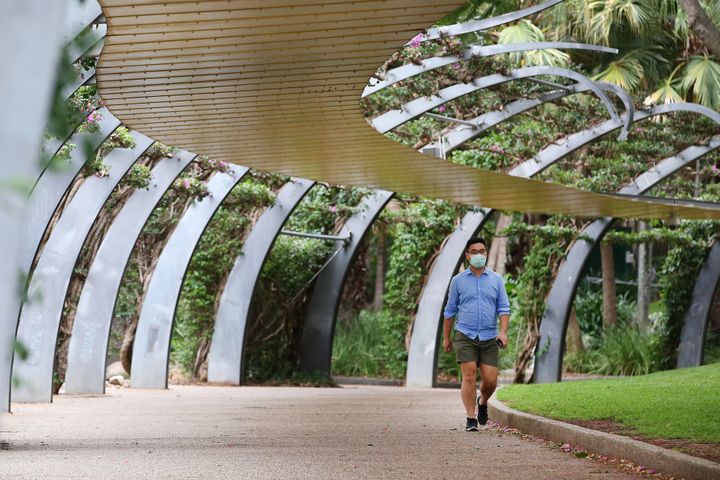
x=503, y=304
x=451, y=307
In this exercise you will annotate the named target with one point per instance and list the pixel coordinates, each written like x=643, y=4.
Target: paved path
x=270, y=432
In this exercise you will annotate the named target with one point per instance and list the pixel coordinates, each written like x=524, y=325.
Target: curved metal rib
x=55, y=181
x=691, y=351
x=317, y=338
x=91, y=330
x=459, y=135
x=28, y=66
x=40, y=316
x=226, y=356
x=424, y=341
x=425, y=337
x=477, y=51
x=551, y=346
x=154, y=331
x=394, y=118
x=485, y=23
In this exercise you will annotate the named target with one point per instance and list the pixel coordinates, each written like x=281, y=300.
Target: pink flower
x=456, y=66
x=715, y=169
x=186, y=183
x=91, y=117
x=333, y=209
x=417, y=40
x=442, y=108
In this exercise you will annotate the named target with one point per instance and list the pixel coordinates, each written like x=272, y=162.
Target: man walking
x=476, y=299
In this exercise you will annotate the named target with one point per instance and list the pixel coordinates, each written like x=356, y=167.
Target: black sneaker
x=471, y=425
x=482, y=412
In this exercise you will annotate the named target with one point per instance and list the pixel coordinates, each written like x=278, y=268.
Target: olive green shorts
x=479, y=351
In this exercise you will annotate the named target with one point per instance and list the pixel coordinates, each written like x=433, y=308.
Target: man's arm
x=503, y=311
x=503, y=335
x=447, y=342
x=451, y=309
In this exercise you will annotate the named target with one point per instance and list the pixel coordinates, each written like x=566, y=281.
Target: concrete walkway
x=270, y=432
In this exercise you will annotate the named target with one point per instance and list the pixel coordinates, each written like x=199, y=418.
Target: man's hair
x=473, y=241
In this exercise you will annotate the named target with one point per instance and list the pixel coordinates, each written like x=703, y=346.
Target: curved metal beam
x=413, y=109
x=319, y=328
x=485, y=23
x=425, y=337
x=55, y=181
x=404, y=72
x=551, y=346
x=87, y=353
x=154, y=331
x=79, y=16
x=226, y=356
x=459, y=135
x=28, y=66
x=41, y=314
x=691, y=351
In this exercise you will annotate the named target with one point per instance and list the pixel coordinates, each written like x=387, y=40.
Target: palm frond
x=525, y=31
x=701, y=81
x=627, y=72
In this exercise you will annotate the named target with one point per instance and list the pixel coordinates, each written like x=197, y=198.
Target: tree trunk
x=379, y=272
x=126, y=349
x=498, y=250
x=609, y=311
x=644, y=279
x=702, y=25
x=573, y=338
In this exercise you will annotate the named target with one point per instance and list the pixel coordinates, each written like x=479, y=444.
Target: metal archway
x=551, y=345
x=154, y=331
x=41, y=314
x=226, y=356
x=691, y=351
x=390, y=120
x=319, y=328
x=87, y=353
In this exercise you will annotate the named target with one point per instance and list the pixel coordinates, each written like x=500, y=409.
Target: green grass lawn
x=681, y=403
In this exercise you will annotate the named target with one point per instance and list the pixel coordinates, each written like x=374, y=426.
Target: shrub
x=371, y=346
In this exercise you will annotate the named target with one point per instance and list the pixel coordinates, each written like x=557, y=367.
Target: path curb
x=669, y=462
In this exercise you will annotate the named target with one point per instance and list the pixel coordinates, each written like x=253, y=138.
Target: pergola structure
x=275, y=85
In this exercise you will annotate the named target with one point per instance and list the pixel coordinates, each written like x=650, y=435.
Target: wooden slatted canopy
x=275, y=85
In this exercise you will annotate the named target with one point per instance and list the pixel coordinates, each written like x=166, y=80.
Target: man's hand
x=447, y=344
x=503, y=338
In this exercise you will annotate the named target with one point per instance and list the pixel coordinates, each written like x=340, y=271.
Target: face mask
x=478, y=261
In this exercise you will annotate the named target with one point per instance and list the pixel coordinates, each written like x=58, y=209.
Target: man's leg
x=468, y=387
x=489, y=375
x=487, y=387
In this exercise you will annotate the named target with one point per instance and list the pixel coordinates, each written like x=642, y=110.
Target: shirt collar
x=485, y=272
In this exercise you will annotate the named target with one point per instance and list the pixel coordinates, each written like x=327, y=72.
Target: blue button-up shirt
x=476, y=302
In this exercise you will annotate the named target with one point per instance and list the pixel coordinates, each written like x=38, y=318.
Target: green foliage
x=588, y=309
x=274, y=327
x=677, y=279
x=158, y=150
x=417, y=230
x=621, y=350
x=673, y=404
x=325, y=207
x=139, y=176
x=372, y=345
x=220, y=245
